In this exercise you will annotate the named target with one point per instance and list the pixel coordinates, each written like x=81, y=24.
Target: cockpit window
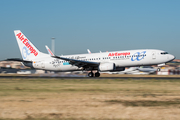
x=164, y=53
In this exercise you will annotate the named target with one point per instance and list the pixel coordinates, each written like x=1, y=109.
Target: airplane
x=140, y=70
x=136, y=70
x=147, y=69
x=100, y=62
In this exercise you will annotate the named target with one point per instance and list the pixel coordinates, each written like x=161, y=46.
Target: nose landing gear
x=159, y=69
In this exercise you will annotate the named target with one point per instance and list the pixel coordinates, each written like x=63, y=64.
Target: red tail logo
x=26, y=43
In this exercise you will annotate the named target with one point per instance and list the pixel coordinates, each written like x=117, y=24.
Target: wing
x=79, y=63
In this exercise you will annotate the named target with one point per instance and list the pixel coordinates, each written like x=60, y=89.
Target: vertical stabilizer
x=27, y=49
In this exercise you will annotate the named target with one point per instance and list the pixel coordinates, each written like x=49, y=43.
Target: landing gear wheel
x=91, y=74
x=159, y=69
x=97, y=74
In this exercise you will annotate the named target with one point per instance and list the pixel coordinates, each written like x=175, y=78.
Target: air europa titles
x=119, y=54
x=26, y=43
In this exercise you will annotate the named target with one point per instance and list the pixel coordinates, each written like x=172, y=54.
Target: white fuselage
x=127, y=58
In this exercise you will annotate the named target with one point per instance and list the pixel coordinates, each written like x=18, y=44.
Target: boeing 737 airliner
x=104, y=61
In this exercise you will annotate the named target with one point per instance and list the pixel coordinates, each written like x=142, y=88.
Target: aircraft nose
x=171, y=57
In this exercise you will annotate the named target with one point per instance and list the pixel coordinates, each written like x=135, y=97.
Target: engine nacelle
x=107, y=67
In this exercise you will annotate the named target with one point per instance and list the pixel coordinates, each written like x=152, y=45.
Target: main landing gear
x=91, y=74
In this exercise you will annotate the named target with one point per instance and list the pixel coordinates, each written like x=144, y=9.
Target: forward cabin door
x=153, y=55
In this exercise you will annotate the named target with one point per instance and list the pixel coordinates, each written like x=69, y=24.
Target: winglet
x=49, y=51
x=89, y=51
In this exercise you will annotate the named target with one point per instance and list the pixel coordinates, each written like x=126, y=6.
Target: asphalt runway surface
x=86, y=77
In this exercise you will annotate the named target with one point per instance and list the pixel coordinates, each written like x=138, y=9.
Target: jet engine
x=107, y=66
x=110, y=67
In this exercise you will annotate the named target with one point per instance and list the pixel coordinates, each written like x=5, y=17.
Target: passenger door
x=153, y=55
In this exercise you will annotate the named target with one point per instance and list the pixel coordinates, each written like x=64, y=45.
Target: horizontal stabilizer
x=18, y=60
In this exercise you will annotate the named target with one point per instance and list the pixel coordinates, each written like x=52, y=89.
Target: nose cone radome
x=171, y=57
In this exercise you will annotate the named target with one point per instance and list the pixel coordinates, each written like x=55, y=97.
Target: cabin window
x=164, y=53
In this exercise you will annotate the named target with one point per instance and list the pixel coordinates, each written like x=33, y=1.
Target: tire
x=159, y=69
x=91, y=74
x=97, y=74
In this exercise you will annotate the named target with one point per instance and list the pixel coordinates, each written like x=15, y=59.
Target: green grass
x=15, y=86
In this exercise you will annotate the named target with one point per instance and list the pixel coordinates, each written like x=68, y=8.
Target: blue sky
x=78, y=25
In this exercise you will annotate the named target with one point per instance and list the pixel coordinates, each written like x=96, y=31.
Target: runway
x=99, y=78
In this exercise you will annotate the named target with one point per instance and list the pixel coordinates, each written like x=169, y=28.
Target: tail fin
x=27, y=49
